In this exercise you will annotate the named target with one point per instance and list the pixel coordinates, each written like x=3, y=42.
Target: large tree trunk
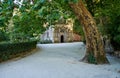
x=95, y=52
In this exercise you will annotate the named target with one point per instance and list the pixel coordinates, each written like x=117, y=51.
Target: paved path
x=58, y=61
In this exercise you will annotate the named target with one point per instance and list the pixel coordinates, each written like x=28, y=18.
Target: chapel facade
x=61, y=32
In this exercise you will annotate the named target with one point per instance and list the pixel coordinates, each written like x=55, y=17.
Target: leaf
x=0, y=9
x=42, y=1
x=117, y=38
x=75, y=1
x=119, y=28
x=41, y=11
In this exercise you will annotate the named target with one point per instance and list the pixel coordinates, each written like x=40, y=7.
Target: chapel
x=60, y=32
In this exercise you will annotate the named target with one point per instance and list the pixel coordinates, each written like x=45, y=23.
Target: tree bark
x=95, y=52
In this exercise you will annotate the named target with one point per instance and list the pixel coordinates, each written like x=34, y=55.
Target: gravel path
x=58, y=61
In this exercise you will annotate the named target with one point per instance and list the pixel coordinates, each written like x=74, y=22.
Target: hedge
x=8, y=50
x=46, y=41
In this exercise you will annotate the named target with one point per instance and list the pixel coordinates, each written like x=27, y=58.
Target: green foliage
x=28, y=24
x=114, y=32
x=91, y=59
x=92, y=6
x=6, y=9
x=42, y=1
x=3, y=36
x=8, y=49
x=77, y=28
x=5, y=12
x=32, y=18
x=49, y=11
x=67, y=1
x=112, y=24
x=45, y=41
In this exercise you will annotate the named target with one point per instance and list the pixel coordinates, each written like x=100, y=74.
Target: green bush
x=46, y=41
x=114, y=32
x=3, y=36
x=8, y=49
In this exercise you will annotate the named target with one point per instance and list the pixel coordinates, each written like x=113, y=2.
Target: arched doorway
x=62, y=38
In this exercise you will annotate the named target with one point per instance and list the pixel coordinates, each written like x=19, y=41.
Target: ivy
x=92, y=59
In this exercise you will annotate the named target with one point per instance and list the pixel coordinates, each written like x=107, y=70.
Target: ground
x=59, y=61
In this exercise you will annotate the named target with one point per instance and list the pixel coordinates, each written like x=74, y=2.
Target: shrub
x=114, y=31
x=46, y=41
x=8, y=49
x=3, y=36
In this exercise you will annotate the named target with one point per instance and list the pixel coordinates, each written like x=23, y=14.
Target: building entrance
x=62, y=39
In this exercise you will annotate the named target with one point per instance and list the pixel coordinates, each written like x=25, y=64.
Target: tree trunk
x=95, y=52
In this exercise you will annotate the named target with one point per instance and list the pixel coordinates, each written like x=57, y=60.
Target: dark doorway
x=62, y=38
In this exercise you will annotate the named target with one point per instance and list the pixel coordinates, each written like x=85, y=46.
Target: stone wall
x=63, y=34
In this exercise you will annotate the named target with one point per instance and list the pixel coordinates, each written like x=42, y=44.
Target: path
x=58, y=61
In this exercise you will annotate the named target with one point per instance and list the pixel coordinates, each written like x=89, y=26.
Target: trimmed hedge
x=8, y=50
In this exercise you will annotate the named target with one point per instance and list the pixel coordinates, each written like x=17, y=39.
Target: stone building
x=60, y=32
